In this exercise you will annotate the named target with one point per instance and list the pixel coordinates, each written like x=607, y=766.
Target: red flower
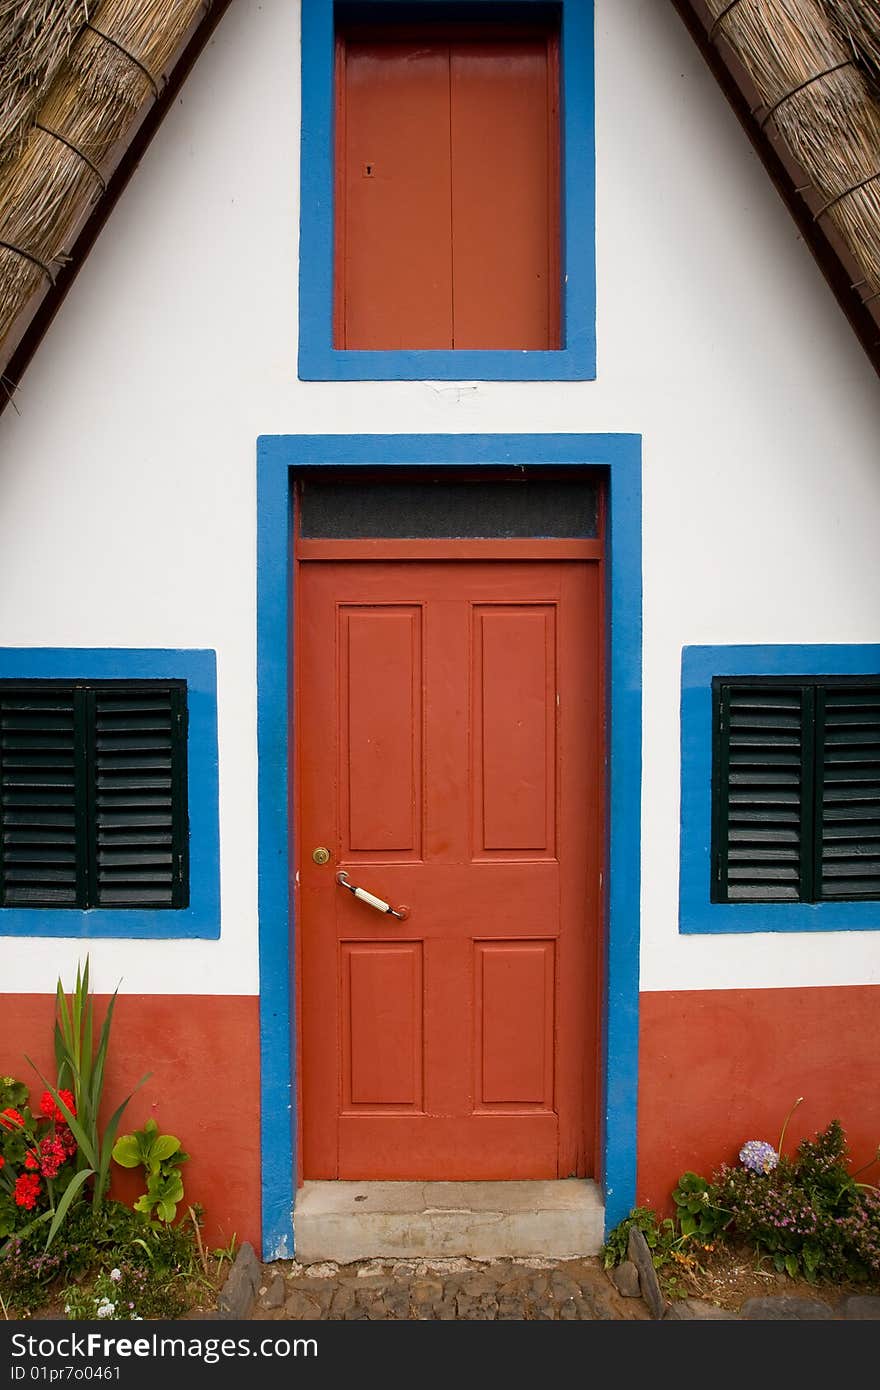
x=52, y=1155
x=2, y=1160
x=65, y=1138
x=31, y=1160
x=11, y=1119
x=27, y=1190
x=53, y=1111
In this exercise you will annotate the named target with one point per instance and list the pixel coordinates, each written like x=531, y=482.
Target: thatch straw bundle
x=72, y=94
x=34, y=41
x=803, y=57
x=860, y=21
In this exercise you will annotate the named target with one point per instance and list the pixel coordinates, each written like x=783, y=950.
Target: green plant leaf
x=127, y=1151
x=164, y=1147
x=110, y=1135
x=61, y=1210
x=97, y=1085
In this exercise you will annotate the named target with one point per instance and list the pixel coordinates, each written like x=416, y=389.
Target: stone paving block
x=538, y=1286
x=397, y=1301
x=377, y=1310
x=477, y=1284
x=585, y=1310
x=626, y=1280
x=274, y=1293
x=302, y=1306
x=319, y=1292
x=343, y=1301
x=783, y=1307
x=510, y=1308
x=861, y=1306
x=562, y=1285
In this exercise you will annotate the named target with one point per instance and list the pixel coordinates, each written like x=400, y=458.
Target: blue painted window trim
x=576, y=360
x=697, y=913
x=619, y=458
x=199, y=670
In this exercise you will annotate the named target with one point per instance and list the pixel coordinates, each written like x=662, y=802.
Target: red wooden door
x=447, y=190
x=450, y=759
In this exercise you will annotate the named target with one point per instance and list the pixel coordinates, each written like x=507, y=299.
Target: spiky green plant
x=81, y=1066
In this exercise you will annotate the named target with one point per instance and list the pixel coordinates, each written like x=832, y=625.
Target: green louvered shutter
x=762, y=792
x=848, y=791
x=42, y=798
x=93, y=795
x=138, y=772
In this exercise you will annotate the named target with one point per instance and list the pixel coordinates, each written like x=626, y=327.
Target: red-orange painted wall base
x=718, y=1067
x=203, y=1056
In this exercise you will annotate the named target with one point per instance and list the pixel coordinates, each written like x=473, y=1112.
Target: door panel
x=449, y=726
x=513, y=691
x=381, y=728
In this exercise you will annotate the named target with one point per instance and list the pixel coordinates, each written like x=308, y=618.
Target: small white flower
x=116, y=1275
x=106, y=1310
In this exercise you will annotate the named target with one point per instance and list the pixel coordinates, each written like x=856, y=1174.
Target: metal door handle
x=401, y=913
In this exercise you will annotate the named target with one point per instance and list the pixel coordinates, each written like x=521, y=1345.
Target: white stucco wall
x=133, y=448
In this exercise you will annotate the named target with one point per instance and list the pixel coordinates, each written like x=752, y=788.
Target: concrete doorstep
x=348, y=1221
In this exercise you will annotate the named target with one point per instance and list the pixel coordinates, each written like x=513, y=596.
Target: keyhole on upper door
x=368, y=171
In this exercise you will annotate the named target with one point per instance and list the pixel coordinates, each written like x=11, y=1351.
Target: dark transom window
x=93, y=805
x=796, y=789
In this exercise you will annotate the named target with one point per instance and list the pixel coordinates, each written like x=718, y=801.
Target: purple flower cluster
x=758, y=1156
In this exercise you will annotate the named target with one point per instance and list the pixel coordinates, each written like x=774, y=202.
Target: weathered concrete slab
x=347, y=1221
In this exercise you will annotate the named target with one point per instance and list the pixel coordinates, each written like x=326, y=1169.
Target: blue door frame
x=618, y=458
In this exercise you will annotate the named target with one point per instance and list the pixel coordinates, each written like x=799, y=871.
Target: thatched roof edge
x=83, y=205
x=846, y=247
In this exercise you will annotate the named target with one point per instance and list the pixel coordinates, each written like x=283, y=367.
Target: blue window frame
x=699, y=666
x=201, y=918
x=576, y=359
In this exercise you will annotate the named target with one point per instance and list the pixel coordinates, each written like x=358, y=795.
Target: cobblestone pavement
x=499, y=1290
x=512, y=1290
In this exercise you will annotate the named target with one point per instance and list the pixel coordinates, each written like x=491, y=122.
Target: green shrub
x=808, y=1214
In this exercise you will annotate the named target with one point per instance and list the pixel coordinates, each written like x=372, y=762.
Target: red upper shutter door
x=447, y=191
x=505, y=263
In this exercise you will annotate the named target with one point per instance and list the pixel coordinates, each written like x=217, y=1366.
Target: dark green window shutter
x=762, y=792
x=93, y=795
x=848, y=791
x=42, y=799
x=138, y=776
